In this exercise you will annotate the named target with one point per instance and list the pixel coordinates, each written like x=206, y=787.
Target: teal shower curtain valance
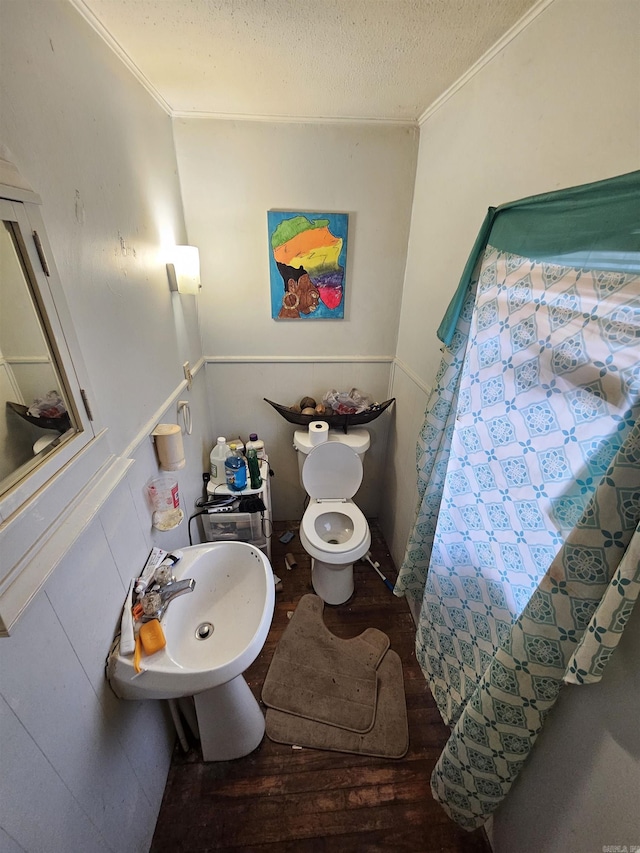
x=595, y=226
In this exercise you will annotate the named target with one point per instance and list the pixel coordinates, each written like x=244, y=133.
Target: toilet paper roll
x=318, y=432
x=169, y=446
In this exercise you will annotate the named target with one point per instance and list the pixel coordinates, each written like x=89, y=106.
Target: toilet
x=333, y=530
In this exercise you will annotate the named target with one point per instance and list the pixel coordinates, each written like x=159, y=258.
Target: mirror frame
x=42, y=515
x=17, y=214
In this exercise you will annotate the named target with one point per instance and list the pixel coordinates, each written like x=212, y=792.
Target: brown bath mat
x=389, y=737
x=320, y=677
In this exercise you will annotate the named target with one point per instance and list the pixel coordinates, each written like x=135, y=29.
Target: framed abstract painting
x=307, y=264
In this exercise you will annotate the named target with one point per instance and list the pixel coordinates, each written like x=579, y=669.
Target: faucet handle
x=163, y=575
x=151, y=603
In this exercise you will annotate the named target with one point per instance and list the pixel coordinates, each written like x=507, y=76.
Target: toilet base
x=333, y=583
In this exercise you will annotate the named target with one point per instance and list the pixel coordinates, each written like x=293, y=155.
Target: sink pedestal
x=230, y=721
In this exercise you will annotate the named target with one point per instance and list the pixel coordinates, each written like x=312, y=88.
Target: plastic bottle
x=236, y=471
x=254, y=468
x=216, y=460
x=256, y=444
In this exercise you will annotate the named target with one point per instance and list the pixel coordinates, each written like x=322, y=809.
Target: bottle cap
x=253, y=436
x=222, y=439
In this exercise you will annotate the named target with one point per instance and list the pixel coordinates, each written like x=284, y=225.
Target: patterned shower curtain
x=523, y=552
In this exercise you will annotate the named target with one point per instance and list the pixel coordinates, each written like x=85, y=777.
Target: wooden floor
x=281, y=800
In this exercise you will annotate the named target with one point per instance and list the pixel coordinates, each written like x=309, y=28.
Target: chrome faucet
x=155, y=602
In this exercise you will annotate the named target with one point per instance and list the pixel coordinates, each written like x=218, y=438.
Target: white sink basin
x=235, y=594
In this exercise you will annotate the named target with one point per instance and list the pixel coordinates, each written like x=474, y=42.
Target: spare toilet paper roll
x=169, y=446
x=318, y=432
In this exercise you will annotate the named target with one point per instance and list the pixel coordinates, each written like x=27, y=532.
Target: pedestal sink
x=213, y=634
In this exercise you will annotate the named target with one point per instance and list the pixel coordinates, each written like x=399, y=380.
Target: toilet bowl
x=333, y=531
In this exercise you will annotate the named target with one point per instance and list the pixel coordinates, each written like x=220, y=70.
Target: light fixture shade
x=184, y=271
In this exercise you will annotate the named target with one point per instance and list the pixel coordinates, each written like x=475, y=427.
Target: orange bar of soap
x=152, y=637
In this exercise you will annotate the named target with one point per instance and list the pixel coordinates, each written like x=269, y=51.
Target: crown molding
x=81, y=7
x=280, y=119
x=485, y=59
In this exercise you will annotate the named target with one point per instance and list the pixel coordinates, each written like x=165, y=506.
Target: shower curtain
x=525, y=552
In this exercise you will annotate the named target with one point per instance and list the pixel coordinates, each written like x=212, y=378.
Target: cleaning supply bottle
x=256, y=444
x=254, y=468
x=216, y=460
x=236, y=471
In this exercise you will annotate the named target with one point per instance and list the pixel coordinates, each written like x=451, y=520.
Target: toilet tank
x=358, y=439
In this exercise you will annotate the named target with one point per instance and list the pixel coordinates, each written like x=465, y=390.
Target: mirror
x=56, y=467
x=35, y=415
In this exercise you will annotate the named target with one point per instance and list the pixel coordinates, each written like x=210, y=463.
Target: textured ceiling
x=364, y=59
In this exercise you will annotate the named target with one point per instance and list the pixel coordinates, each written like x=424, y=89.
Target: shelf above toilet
x=334, y=421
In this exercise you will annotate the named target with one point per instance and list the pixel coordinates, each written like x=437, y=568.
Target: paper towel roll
x=169, y=446
x=318, y=432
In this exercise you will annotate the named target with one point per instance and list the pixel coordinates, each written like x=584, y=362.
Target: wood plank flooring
x=281, y=800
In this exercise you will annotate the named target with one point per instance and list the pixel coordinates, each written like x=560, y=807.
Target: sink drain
x=204, y=631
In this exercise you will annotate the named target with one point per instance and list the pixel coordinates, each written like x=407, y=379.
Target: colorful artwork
x=307, y=262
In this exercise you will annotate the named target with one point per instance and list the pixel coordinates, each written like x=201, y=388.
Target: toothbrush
x=127, y=639
x=172, y=558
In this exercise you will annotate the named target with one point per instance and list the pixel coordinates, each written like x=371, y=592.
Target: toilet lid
x=331, y=471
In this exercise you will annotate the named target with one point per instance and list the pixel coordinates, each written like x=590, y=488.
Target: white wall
x=100, y=153
x=231, y=174
x=400, y=483
x=559, y=106
x=82, y=770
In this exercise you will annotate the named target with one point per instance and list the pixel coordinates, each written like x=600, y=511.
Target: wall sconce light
x=184, y=271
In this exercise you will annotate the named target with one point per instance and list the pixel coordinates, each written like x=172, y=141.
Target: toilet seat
x=342, y=552
x=332, y=474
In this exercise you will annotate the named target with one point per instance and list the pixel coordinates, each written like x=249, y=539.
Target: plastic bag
x=50, y=406
x=347, y=402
